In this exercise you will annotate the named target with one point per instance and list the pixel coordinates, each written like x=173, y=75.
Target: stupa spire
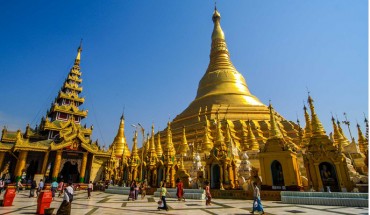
x=152, y=149
x=207, y=144
x=158, y=146
x=78, y=57
x=338, y=138
x=317, y=128
x=120, y=140
x=251, y=139
x=134, y=152
x=308, y=127
x=362, y=143
x=274, y=129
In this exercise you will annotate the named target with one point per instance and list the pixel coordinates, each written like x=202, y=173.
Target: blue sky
x=148, y=57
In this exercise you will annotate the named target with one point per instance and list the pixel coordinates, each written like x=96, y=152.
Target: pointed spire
x=317, y=128
x=338, y=138
x=134, y=152
x=362, y=143
x=274, y=130
x=78, y=57
x=217, y=30
x=219, y=136
x=345, y=141
x=308, y=127
x=169, y=148
x=184, y=147
x=152, y=142
x=119, y=141
x=251, y=139
x=158, y=146
x=207, y=144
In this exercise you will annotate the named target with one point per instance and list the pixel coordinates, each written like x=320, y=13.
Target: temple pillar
x=83, y=167
x=21, y=163
x=319, y=181
x=2, y=156
x=45, y=163
x=58, y=159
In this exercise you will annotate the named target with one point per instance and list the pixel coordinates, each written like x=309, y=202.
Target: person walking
x=132, y=191
x=163, y=197
x=60, y=188
x=137, y=187
x=89, y=189
x=143, y=190
x=33, y=188
x=1, y=185
x=180, y=190
x=19, y=185
x=40, y=187
x=54, y=187
x=257, y=205
x=208, y=194
x=65, y=207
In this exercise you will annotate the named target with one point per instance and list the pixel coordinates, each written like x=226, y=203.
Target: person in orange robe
x=180, y=190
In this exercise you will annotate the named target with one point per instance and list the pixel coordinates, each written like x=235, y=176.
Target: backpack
x=70, y=196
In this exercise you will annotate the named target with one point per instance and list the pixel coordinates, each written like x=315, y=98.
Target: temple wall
x=97, y=169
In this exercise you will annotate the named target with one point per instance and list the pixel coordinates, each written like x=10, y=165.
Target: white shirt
x=70, y=190
x=90, y=186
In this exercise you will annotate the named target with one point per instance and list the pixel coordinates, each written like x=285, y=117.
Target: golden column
x=2, y=156
x=83, y=167
x=45, y=162
x=20, y=164
x=58, y=159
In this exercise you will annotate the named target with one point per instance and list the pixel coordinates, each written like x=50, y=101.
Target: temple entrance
x=32, y=169
x=70, y=172
x=215, y=176
x=328, y=177
x=160, y=177
x=277, y=174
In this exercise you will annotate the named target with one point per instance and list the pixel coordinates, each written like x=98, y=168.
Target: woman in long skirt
x=257, y=204
x=180, y=190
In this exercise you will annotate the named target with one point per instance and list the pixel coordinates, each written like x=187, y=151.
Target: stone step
x=118, y=190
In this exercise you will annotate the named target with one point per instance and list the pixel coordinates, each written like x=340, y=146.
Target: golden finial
x=274, y=130
x=217, y=30
x=78, y=57
x=308, y=128
x=317, y=128
x=134, y=152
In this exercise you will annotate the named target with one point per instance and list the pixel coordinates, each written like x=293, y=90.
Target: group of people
x=135, y=187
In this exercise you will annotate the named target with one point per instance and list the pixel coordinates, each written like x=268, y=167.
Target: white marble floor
x=102, y=203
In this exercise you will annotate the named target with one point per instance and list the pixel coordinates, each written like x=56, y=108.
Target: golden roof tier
x=119, y=142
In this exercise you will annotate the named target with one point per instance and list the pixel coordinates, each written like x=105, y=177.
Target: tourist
x=19, y=185
x=180, y=190
x=1, y=185
x=54, y=187
x=208, y=194
x=137, y=187
x=33, y=188
x=89, y=189
x=132, y=191
x=40, y=187
x=60, y=188
x=163, y=197
x=257, y=205
x=143, y=190
x=65, y=207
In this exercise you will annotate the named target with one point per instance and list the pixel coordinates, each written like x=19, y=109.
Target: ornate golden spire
x=219, y=136
x=345, y=139
x=134, y=152
x=158, y=146
x=251, y=139
x=169, y=148
x=207, y=144
x=152, y=150
x=317, y=128
x=274, y=130
x=362, y=143
x=183, y=148
x=338, y=138
x=308, y=128
x=120, y=140
x=78, y=57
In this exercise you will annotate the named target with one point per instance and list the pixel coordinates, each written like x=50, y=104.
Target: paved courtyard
x=112, y=204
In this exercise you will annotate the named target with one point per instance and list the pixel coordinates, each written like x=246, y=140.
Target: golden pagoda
x=223, y=93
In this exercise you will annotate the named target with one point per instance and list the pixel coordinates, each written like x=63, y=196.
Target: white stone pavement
x=103, y=203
